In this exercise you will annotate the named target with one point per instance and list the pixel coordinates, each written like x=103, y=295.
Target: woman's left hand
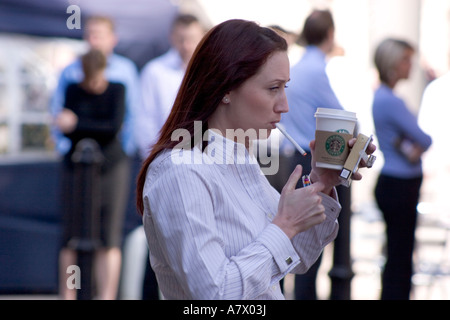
x=66, y=121
x=329, y=177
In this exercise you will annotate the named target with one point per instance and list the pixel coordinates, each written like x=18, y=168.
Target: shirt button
x=270, y=215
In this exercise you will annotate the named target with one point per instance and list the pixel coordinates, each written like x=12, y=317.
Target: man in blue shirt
x=308, y=90
x=310, y=87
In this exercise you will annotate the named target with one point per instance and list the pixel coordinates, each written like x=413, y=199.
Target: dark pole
x=341, y=273
x=87, y=160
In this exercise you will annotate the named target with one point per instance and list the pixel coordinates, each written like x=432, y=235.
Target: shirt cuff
x=331, y=204
x=281, y=248
x=332, y=210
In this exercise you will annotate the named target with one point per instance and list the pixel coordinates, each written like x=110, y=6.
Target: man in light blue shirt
x=161, y=79
x=119, y=69
x=308, y=90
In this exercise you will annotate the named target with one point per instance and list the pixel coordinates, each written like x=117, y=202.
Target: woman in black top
x=95, y=109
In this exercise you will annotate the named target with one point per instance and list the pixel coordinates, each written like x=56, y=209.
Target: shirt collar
x=174, y=59
x=315, y=50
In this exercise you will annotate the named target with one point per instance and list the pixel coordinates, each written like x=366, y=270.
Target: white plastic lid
x=335, y=113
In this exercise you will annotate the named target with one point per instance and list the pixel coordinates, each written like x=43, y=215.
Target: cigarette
x=300, y=149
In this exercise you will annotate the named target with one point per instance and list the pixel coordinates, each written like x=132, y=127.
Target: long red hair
x=227, y=56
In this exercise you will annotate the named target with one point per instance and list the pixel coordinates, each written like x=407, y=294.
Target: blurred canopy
x=142, y=25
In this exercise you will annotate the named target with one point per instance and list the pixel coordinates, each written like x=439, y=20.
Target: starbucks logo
x=335, y=145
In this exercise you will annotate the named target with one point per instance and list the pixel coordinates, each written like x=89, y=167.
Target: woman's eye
x=277, y=87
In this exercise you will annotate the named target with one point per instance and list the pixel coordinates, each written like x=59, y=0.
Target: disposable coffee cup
x=334, y=128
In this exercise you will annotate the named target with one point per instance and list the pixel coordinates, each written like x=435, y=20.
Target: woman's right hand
x=299, y=209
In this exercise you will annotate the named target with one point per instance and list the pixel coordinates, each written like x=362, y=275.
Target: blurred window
x=29, y=71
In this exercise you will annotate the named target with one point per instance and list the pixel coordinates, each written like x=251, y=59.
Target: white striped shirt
x=209, y=231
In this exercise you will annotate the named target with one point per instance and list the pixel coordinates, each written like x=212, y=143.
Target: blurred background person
x=295, y=51
x=397, y=189
x=433, y=119
x=99, y=32
x=95, y=109
x=309, y=89
x=160, y=80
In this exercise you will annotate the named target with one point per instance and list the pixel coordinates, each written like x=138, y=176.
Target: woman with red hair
x=216, y=228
